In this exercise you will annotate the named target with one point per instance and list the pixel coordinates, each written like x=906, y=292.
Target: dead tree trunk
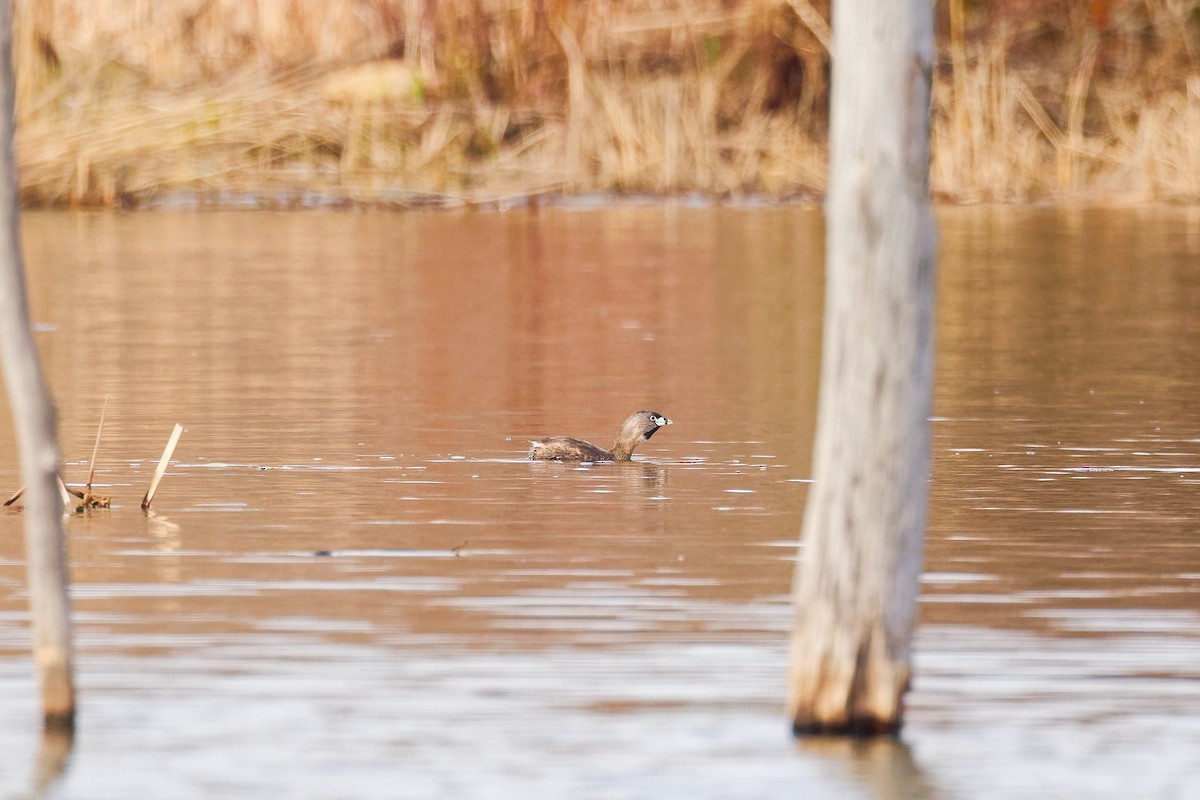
x=33, y=417
x=856, y=583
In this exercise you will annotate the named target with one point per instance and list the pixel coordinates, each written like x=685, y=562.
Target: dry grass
x=1068, y=109
x=272, y=102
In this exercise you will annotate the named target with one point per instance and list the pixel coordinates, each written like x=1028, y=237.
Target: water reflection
x=1068, y=439
x=883, y=768
x=364, y=385
x=53, y=758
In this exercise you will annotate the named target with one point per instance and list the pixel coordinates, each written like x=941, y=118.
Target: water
x=365, y=385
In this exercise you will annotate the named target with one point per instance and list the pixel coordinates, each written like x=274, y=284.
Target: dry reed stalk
x=815, y=22
x=161, y=469
x=1076, y=97
x=87, y=492
x=958, y=61
x=577, y=99
x=1191, y=113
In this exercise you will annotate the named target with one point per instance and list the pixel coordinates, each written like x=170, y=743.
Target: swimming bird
x=637, y=429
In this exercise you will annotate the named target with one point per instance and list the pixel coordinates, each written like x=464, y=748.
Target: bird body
x=637, y=429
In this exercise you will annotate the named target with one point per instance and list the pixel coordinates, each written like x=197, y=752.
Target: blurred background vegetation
x=289, y=102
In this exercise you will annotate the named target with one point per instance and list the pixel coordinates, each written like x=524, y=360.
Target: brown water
x=364, y=384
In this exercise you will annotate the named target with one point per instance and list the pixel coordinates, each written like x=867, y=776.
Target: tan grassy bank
x=288, y=101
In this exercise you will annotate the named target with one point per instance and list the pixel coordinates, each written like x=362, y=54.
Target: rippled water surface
x=353, y=584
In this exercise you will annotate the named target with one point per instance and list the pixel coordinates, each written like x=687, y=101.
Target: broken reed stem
x=86, y=496
x=87, y=492
x=162, y=466
x=64, y=491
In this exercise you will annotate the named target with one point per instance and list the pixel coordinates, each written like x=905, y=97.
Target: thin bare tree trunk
x=34, y=419
x=856, y=583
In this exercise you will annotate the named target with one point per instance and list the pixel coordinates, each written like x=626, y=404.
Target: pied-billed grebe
x=637, y=429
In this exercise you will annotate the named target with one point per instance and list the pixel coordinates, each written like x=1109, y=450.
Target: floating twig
x=162, y=466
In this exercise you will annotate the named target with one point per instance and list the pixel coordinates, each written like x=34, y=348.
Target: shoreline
x=421, y=103
x=308, y=201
